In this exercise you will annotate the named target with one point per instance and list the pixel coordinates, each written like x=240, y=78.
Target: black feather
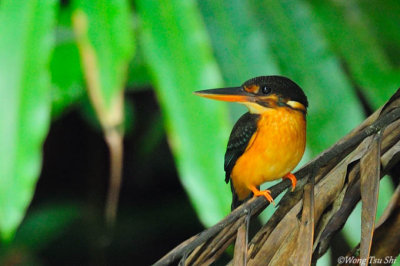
x=240, y=136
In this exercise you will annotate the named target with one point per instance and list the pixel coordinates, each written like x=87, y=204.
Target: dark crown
x=281, y=86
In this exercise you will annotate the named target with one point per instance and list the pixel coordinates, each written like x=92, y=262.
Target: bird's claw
x=292, y=178
x=265, y=193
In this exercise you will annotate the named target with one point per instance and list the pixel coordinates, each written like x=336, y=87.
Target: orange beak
x=236, y=94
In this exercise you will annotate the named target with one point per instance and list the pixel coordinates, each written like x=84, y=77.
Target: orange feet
x=292, y=178
x=265, y=193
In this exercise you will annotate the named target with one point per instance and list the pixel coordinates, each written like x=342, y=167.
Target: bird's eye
x=265, y=89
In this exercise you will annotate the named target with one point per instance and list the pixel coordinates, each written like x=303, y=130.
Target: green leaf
x=138, y=77
x=105, y=39
x=179, y=56
x=46, y=224
x=66, y=73
x=25, y=44
x=383, y=18
x=241, y=47
x=305, y=57
x=66, y=78
x=351, y=33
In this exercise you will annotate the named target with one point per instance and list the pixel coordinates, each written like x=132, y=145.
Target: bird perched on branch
x=267, y=142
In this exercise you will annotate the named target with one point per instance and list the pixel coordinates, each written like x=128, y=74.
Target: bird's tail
x=235, y=199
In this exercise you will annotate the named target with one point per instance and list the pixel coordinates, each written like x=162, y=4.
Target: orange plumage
x=273, y=151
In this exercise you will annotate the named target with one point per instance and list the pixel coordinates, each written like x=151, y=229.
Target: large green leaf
x=351, y=33
x=240, y=45
x=138, y=74
x=383, y=23
x=66, y=78
x=105, y=40
x=177, y=50
x=66, y=73
x=26, y=40
x=304, y=56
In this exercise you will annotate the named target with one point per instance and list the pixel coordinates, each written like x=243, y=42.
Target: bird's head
x=262, y=93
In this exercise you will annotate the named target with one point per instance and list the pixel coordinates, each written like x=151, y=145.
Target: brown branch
x=114, y=140
x=110, y=116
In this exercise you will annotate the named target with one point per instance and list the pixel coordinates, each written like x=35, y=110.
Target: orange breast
x=273, y=151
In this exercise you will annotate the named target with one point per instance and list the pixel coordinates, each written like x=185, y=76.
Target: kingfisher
x=268, y=141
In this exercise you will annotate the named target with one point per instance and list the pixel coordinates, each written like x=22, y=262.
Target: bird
x=269, y=140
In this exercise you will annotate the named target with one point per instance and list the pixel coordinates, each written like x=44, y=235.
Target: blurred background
x=96, y=90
